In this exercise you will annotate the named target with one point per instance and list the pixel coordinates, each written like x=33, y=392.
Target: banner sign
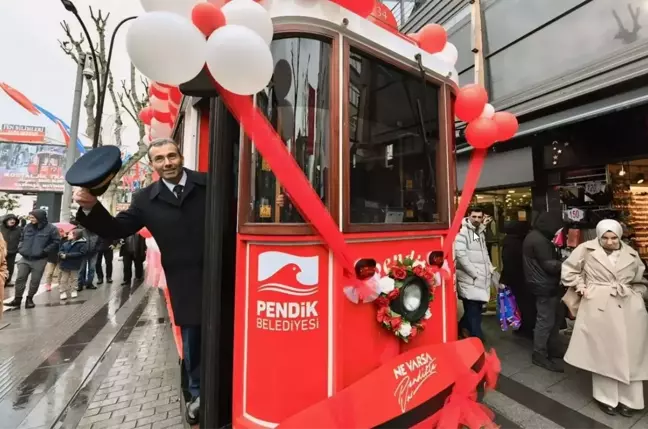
x=403, y=392
x=22, y=133
x=27, y=167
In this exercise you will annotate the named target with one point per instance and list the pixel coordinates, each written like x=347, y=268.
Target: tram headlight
x=365, y=268
x=412, y=303
x=436, y=258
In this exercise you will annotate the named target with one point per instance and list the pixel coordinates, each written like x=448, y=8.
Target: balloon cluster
x=162, y=111
x=485, y=126
x=433, y=39
x=175, y=39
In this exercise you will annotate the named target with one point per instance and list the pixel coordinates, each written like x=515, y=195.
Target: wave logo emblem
x=288, y=274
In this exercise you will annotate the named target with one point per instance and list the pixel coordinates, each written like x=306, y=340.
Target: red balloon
x=507, y=125
x=164, y=117
x=175, y=96
x=432, y=38
x=470, y=103
x=482, y=133
x=207, y=17
x=155, y=90
x=146, y=114
x=359, y=7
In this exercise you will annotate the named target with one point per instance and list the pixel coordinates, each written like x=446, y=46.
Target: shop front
x=596, y=170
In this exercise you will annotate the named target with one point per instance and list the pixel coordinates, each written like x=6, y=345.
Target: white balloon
x=250, y=14
x=166, y=48
x=488, y=112
x=180, y=7
x=160, y=129
x=239, y=59
x=450, y=53
x=159, y=105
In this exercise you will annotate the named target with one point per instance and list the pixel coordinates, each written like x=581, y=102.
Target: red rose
x=418, y=271
x=413, y=332
x=398, y=273
x=395, y=322
x=382, y=301
x=393, y=294
x=381, y=314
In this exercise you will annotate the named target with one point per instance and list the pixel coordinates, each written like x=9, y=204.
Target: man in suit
x=173, y=210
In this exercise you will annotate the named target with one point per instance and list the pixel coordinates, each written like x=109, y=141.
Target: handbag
x=572, y=300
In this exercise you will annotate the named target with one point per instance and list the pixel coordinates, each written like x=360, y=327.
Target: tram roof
x=330, y=16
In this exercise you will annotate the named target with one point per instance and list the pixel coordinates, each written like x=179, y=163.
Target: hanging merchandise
x=508, y=311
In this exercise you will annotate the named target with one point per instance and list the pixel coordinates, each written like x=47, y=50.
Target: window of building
x=394, y=144
x=297, y=104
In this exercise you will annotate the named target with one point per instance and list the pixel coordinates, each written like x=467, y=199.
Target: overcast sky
x=33, y=63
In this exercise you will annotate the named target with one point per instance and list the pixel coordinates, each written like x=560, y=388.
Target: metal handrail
x=403, y=10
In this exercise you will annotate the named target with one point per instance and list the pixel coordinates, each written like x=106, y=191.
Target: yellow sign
x=265, y=211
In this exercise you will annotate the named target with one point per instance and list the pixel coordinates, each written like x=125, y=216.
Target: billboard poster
x=28, y=167
x=22, y=133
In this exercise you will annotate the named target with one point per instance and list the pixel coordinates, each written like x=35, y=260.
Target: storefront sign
x=287, y=330
x=22, y=133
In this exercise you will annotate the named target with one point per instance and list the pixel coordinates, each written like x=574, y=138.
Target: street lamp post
x=103, y=82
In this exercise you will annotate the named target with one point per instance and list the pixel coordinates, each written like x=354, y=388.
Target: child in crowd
x=71, y=256
x=52, y=271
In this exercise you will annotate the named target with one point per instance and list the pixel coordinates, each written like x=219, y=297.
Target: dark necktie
x=177, y=190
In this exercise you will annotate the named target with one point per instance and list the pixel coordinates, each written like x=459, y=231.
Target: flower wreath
x=390, y=289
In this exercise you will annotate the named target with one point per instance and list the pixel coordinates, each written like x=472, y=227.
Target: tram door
x=219, y=263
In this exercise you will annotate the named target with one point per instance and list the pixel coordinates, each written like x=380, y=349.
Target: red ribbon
x=461, y=408
x=292, y=178
x=472, y=177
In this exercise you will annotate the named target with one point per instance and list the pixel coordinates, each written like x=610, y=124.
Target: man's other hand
x=85, y=199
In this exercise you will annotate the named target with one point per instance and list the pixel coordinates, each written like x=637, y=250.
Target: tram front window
x=297, y=104
x=394, y=142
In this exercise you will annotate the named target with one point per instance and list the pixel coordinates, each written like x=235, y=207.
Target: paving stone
x=103, y=403
x=157, y=403
x=127, y=411
x=140, y=414
x=114, y=407
x=152, y=419
x=145, y=399
x=113, y=421
x=123, y=425
x=131, y=396
x=93, y=419
x=169, y=422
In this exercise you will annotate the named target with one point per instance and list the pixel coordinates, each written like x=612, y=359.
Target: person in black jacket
x=11, y=231
x=87, y=270
x=542, y=268
x=134, y=253
x=173, y=210
x=71, y=256
x=513, y=274
x=38, y=239
x=105, y=252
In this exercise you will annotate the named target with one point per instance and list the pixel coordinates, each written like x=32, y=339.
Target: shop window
x=394, y=144
x=297, y=104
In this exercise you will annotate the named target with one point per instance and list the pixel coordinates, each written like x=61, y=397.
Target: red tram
x=291, y=337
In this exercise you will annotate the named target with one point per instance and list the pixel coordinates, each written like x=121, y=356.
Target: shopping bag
x=507, y=309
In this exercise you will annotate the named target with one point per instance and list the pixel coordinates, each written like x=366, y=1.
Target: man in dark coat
x=105, y=252
x=133, y=252
x=542, y=268
x=11, y=232
x=38, y=239
x=87, y=270
x=173, y=210
x=513, y=274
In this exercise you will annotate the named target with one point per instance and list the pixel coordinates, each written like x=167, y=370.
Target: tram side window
x=394, y=141
x=297, y=104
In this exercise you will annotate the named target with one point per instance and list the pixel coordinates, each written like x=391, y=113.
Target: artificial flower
x=405, y=329
x=386, y=284
x=399, y=273
x=428, y=314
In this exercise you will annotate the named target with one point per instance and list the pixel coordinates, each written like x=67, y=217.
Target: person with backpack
x=87, y=269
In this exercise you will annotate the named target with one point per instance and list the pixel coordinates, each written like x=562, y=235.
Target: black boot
x=610, y=411
x=91, y=287
x=109, y=280
x=99, y=281
x=126, y=282
x=15, y=303
x=29, y=302
x=546, y=363
x=625, y=411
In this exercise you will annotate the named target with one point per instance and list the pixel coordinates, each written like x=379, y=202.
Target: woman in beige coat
x=610, y=337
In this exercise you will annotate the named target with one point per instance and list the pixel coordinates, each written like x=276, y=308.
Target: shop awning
x=624, y=100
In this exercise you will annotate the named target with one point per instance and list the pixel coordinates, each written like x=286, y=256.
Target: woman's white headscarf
x=609, y=225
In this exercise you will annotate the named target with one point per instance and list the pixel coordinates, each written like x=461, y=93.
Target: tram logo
x=288, y=274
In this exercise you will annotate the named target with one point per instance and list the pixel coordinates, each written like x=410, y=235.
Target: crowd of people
x=44, y=253
x=598, y=283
